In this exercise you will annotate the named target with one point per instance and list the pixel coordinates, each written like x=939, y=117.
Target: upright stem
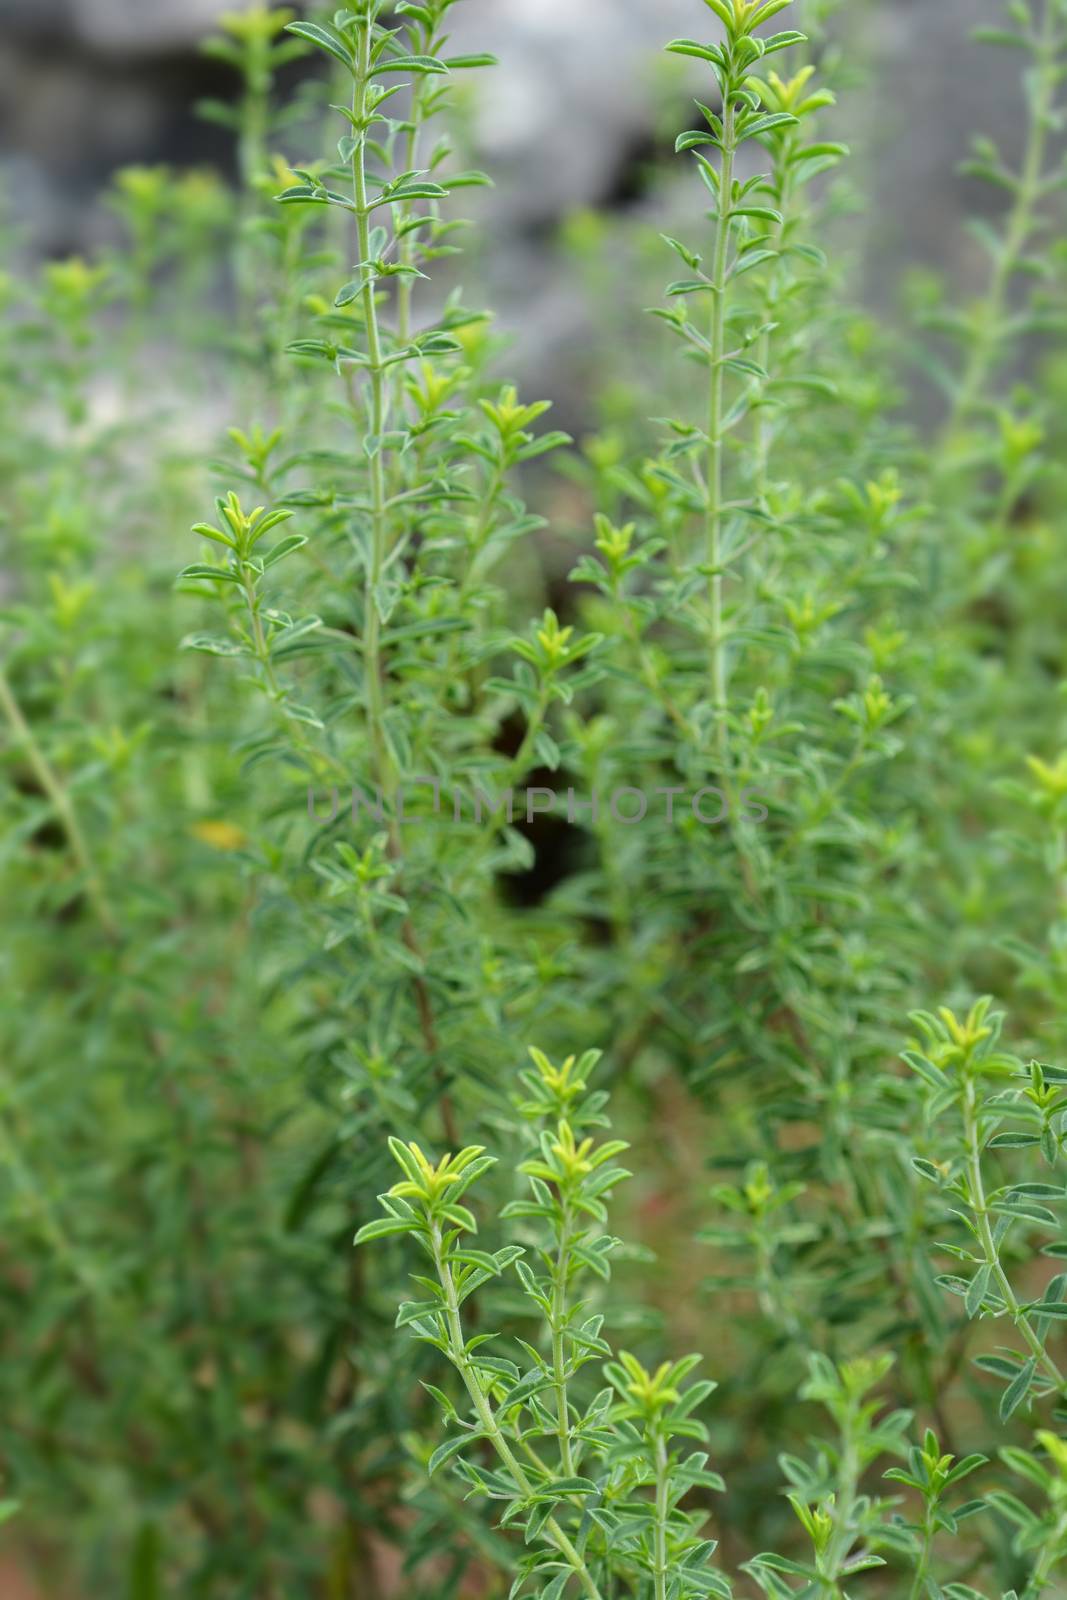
x=841, y=1541
x=713, y=527
x=385, y=768
x=524, y=755
x=924, y=1558
x=773, y=1295
x=259, y=639
x=559, y=1315
x=62, y=804
x=764, y=425
x=491, y=1427
x=372, y=664
x=252, y=155
x=1020, y=226
x=985, y=1234
x=255, y=115
x=405, y=283
x=1049, y=1559
x=660, y=1570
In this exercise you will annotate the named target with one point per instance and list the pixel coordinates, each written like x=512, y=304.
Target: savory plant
x=715, y=743
x=769, y=895
x=606, y=1497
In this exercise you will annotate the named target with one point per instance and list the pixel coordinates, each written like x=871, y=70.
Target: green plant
x=594, y=1478
x=571, y=1473
x=713, y=742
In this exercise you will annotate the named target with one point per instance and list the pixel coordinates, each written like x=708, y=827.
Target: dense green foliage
x=307, y=855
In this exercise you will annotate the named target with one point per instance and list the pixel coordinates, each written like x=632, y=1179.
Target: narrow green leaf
x=762, y=213
x=450, y=1448
x=1017, y=1390
x=381, y=1228
x=326, y=38
x=417, y=64
x=215, y=574
x=690, y=47
x=689, y=141
x=285, y=547
x=458, y=63
x=765, y=124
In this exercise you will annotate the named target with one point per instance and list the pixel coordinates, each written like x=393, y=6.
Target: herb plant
x=696, y=752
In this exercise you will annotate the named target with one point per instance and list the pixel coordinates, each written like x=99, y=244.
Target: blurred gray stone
x=87, y=85
x=145, y=27
x=578, y=86
x=118, y=27
x=936, y=88
x=575, y=83
x=27, y=18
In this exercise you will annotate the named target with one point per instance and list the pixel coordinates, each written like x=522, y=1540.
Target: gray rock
x=144, y=27
x=575, y=84
x=937, y=89
x=113, y=27
x=560, y=124
x=34, y=18
x=578, y=86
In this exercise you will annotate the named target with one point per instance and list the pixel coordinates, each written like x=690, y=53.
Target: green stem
x=648, y=668
x=483, y=527
x=716, y=399
x=924, y=1559
x=252, y=157
x=660, y=1570
x=616, y=881
x=406, y=283
x=844, y=1506
x=985, y=1234
x=282, y=328
x=524, y=755
x=372, y=662
x=829, y=799
x=773, y=1295
x=559, y=1317
x=491, y=1427
x=255, y=112
x=1020, y=227
x=62, y=805
x=318, y=760
x=259, y=638
x=764, y=425
x=1049, y=1559
x=422, y=43
x=385, y=772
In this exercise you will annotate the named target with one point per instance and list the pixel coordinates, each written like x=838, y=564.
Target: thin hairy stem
x=922, y=1570
x=1048, y=1560
x=372, y=661
x=484, y=1412
x=980, y=1208
x=716, y=402
x=848, y=1478
x=386, y=775
x=559, y=1372
x=62, y=804
x=660, y=1570
x=1020, y=229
